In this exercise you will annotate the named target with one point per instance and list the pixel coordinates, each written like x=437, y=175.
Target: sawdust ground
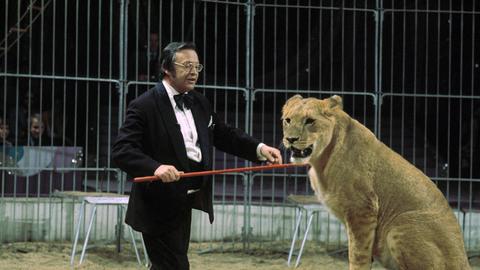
x=47, y=255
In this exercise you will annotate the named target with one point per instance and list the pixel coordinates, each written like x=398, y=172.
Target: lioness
x=392, y=211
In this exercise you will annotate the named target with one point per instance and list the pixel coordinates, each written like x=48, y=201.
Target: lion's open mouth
x=297, y=153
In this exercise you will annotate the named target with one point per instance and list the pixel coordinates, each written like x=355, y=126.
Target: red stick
x=202, y=173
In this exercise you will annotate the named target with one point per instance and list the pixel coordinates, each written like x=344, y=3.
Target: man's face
x=29, y=98
x=184, y=79
x=153, y=42
x=4, y=131
x=36, y=129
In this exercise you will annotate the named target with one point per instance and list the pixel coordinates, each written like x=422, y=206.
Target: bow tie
x=183, y=100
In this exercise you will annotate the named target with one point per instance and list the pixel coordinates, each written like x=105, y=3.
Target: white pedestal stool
x=310, y=205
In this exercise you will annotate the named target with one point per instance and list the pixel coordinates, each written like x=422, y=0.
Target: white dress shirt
x=187, y=126
x=189, y=131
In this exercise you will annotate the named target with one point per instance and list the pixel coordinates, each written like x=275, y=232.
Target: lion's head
x=308, y=125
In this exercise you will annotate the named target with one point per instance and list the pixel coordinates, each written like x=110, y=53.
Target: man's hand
x=272, y=155
x=167, y=173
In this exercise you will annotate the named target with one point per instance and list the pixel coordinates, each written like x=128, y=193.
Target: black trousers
x=168, y=251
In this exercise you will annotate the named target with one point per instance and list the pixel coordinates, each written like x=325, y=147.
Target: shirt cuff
x=259, y=154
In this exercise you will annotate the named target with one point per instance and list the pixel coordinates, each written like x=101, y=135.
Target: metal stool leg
x=92, y=217
x=77, y=232
x=297, y=226
x=310, y=218
x=134, y=245
x=147, y=261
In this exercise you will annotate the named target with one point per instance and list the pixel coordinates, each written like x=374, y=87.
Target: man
x=148, y=59
x=165, y=136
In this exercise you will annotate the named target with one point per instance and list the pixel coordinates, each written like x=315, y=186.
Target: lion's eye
x=309, y=121
x=287, y=120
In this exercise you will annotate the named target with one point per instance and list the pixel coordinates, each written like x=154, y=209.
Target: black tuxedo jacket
x=151, y=136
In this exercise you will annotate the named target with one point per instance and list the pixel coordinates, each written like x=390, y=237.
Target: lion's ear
x=335, y=102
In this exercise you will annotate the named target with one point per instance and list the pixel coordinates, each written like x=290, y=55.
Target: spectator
x=54, y=126
x=18, y=115
x=148, y=64
x=6, y=150
x=37, y=135
x=4, y=132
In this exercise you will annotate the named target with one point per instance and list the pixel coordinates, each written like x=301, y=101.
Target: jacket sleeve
x=129, y=152
x=234, y=140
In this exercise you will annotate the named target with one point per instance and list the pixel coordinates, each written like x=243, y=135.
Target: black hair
x=34, y=115
x=168, y=55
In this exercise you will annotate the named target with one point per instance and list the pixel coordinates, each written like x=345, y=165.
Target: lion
x=392, y=211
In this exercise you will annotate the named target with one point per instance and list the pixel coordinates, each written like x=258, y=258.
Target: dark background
x=421, y=48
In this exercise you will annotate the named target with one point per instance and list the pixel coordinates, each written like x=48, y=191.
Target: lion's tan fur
x=391, y=210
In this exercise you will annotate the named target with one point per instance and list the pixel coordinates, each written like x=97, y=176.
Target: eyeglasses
x=190, y=66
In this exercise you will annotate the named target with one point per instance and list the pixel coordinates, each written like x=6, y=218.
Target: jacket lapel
x=202, y=129
x=171, y=124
